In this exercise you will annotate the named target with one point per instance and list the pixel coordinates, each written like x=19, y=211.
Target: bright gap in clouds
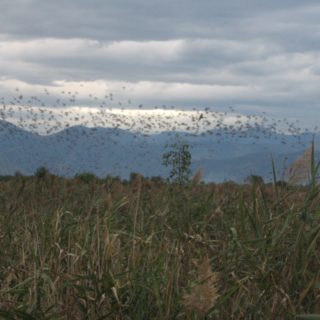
x=148, y=121
x=114, y=105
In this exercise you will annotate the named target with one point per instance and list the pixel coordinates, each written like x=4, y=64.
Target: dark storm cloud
x=142, y=19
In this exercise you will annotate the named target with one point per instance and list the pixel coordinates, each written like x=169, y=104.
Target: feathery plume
x=204, y=294
x=299, y=171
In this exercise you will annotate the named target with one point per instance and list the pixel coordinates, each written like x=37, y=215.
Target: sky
x=256, y=56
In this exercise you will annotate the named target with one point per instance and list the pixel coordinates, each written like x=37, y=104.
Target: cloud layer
x=255, y=56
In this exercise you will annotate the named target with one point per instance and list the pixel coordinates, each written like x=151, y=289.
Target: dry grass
x=299, y=171
x=204, y=293
x=106, y=249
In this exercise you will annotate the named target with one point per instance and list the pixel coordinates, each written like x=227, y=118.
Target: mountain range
x=221, y=155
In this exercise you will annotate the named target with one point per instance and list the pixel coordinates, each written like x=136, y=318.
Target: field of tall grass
x=146, y=249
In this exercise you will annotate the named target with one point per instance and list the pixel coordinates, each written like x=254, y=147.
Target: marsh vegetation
x=89, y=248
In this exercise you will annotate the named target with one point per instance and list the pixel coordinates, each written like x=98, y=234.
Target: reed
x=110, y=249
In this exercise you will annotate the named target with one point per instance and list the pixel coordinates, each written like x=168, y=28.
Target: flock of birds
x=51, y=112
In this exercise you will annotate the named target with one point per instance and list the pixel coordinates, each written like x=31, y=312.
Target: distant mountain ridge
x=119, y=152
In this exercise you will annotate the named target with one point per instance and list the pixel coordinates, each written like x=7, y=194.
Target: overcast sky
x=254, y=55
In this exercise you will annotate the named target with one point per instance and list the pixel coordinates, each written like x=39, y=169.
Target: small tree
x=178, y=157
x=41, y=172
x=86, y=177
x=254, y=180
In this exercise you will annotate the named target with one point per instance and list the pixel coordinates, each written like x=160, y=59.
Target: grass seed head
x=205, y=293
